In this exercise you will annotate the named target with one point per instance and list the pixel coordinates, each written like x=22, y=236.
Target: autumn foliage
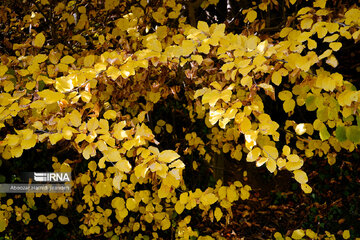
x=144, y=102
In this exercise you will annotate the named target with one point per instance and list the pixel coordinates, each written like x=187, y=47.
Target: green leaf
x=2, y=178
x=340, y=133
x=41, y=85
x=353, y=134
x=310, y=103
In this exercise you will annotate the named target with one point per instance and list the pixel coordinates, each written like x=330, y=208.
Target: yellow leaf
x=85, y=96
x=232, y=194
x=51, y=96
x=89, y=151
x=82, y=9
x=123, y=165
x=161, y=123
x=179, y=207
x=8, y=86
x=3, y=224
x=226, y=95
x=306, y=23
x=218, y=214
x=251, y=16
x=311, y=44
x=331, y=159
x=244, y=192
x=306, y=188
x=154, y=97
x=67, y=59
x=208, y=199
x=63, y=220
x=289, y=105
x=110, y=114
x=300, y=176
x=188, y=47
x=332, y=61
x=346, y=234
x=262, y=161
x=278, y=235
x=292, y=2
x=293, y=158
x=92, y=166
x=169, y=128
x=50, y=225
x=271, y=165
x=331, y=38
x=29, y=142
x=311, y=234
x=154, y=44
x=250, y=138
x=276, y=78
x=168, y=156
x=140, y=171
x=75, y=118
x=131, y=204
x=165, y=224
x=203, y=26
x=252, y=42
x=164, y=191
x=197, y=58
x=335, y=46
x=92, y=124
x=285, y=31
x=291, y=166
x=325, y=54
x=270, y=152
x=347, y=97
x=246, y=81
x=215, y=115
x=263, y=6
x=253, y=155
x=3, y=70
x=89, y=60
x=39, y=40
x=79, y=38
x=245, y=124
x=298, y=234
x=267, y=87
x=40, y=58
x=281, y=162
x=129, y=144
x=204, y=48
x=211, y=97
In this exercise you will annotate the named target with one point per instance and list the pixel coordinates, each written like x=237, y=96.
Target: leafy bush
x=145, y=110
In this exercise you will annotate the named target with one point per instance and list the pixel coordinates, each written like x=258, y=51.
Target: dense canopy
x=205, y=119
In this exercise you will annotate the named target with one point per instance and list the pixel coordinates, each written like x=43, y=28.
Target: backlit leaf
x=168, y=156
x=270, y=152
x=298, y=234
x=300, y=176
